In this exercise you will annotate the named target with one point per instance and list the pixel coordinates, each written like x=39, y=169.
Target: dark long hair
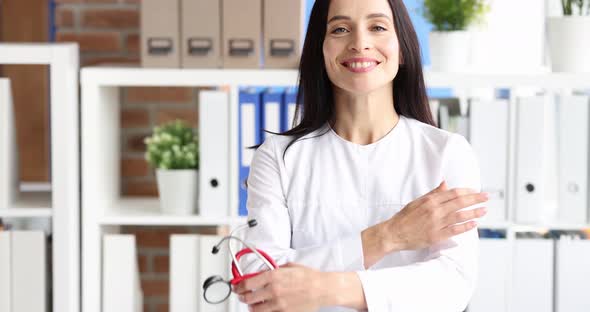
x=315, y=92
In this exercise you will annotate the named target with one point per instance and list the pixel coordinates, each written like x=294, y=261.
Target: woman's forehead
x=359, y=8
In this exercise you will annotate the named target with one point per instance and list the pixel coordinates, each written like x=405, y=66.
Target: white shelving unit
x=61, y=202
x=103, y=208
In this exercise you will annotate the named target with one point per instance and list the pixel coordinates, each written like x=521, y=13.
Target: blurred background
x=513, y=77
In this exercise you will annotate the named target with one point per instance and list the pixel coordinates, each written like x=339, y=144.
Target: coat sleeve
x=446, y=279
x=267, y=204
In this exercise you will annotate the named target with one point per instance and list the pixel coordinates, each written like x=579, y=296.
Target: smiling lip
x=360, y=64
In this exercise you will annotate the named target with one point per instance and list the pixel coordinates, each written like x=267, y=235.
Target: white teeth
x=361, y=64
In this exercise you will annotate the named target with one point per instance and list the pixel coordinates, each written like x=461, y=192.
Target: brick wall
x=108, y=32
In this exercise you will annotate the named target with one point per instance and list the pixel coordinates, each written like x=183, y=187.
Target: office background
x=107, y=31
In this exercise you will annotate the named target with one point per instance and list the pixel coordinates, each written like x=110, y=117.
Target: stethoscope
x=215, y=288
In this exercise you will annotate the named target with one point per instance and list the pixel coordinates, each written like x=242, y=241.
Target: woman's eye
x=339, y=30
x=379, y=28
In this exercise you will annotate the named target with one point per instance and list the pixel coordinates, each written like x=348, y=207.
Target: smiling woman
x=365, y=204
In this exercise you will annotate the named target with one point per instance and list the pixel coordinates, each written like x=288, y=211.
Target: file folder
x=29, y=279
x=121, y=289
x=241, y=33
x=271, y=112
x=249, y=135
x=201, y=33
x=488, y=135
x=493, y=273
x=212, y=264
x=289, y=109
x=185, y=289
x=214, y=154
x=532, y=273
x=283, y=33
x=573, y=130
x=160, y=33
x=572, y=274
x=9, y=175
x=5, y=273
x=532, y=161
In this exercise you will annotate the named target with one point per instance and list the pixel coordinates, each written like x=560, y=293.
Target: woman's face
x=361, y=50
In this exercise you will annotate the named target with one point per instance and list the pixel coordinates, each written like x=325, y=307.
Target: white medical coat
x=312, y=206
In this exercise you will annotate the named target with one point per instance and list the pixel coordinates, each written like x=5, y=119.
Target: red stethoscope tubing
x=234, y=269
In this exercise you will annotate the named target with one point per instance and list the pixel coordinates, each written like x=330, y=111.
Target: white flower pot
x=569, y=43
x=179, y=191
x=449, y=51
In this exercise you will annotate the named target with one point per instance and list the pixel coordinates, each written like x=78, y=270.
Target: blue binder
x=249, y=125
x=288, y=108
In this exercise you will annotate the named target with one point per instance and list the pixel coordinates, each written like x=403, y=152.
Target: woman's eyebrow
x=343, y=17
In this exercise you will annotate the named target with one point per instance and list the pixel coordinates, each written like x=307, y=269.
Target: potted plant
x=173, y=151
x=450, y=41
x=569, y=37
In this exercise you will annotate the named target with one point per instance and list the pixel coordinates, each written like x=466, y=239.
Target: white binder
x=5, y=273
x=533, y=194
x=9, y=175
x=434, y=109
x=532, y=273
x=212, y=264
x=271, y=103
x=121, y=289
x=488, y=128
x=493, y=271
x=572, y=274
x=29, y=281
x=185, y=289
x=214, y=153
x=573, y=129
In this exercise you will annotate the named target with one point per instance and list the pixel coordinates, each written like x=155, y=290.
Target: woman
x=351, y=199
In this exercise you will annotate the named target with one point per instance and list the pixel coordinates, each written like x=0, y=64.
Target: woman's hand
x=434, y=217
x=291, y=287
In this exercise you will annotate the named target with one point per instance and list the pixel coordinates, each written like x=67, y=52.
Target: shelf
x=59, y=198
x=26, y=213
x=162, y=77
x=145, y=211
x=516, y=227
x=29, y=205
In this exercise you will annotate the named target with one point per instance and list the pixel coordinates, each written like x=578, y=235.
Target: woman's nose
x=359, y=42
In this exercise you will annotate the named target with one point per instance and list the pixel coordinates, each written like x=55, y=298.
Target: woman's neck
x=364, y=119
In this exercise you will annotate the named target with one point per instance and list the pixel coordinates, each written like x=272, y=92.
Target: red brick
x=92, y=41
x=190, y=116
x=159, y=94
x=135, y=142
x=132, y=43
x=134, y=167
x=156, y=238
x=161, y=264
x=64, y=17
x=135, y=118
x=96, y=60
x=162, y=307
x=142, y=263
x=152, y=287
x=110, y=18
x=141, y=188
